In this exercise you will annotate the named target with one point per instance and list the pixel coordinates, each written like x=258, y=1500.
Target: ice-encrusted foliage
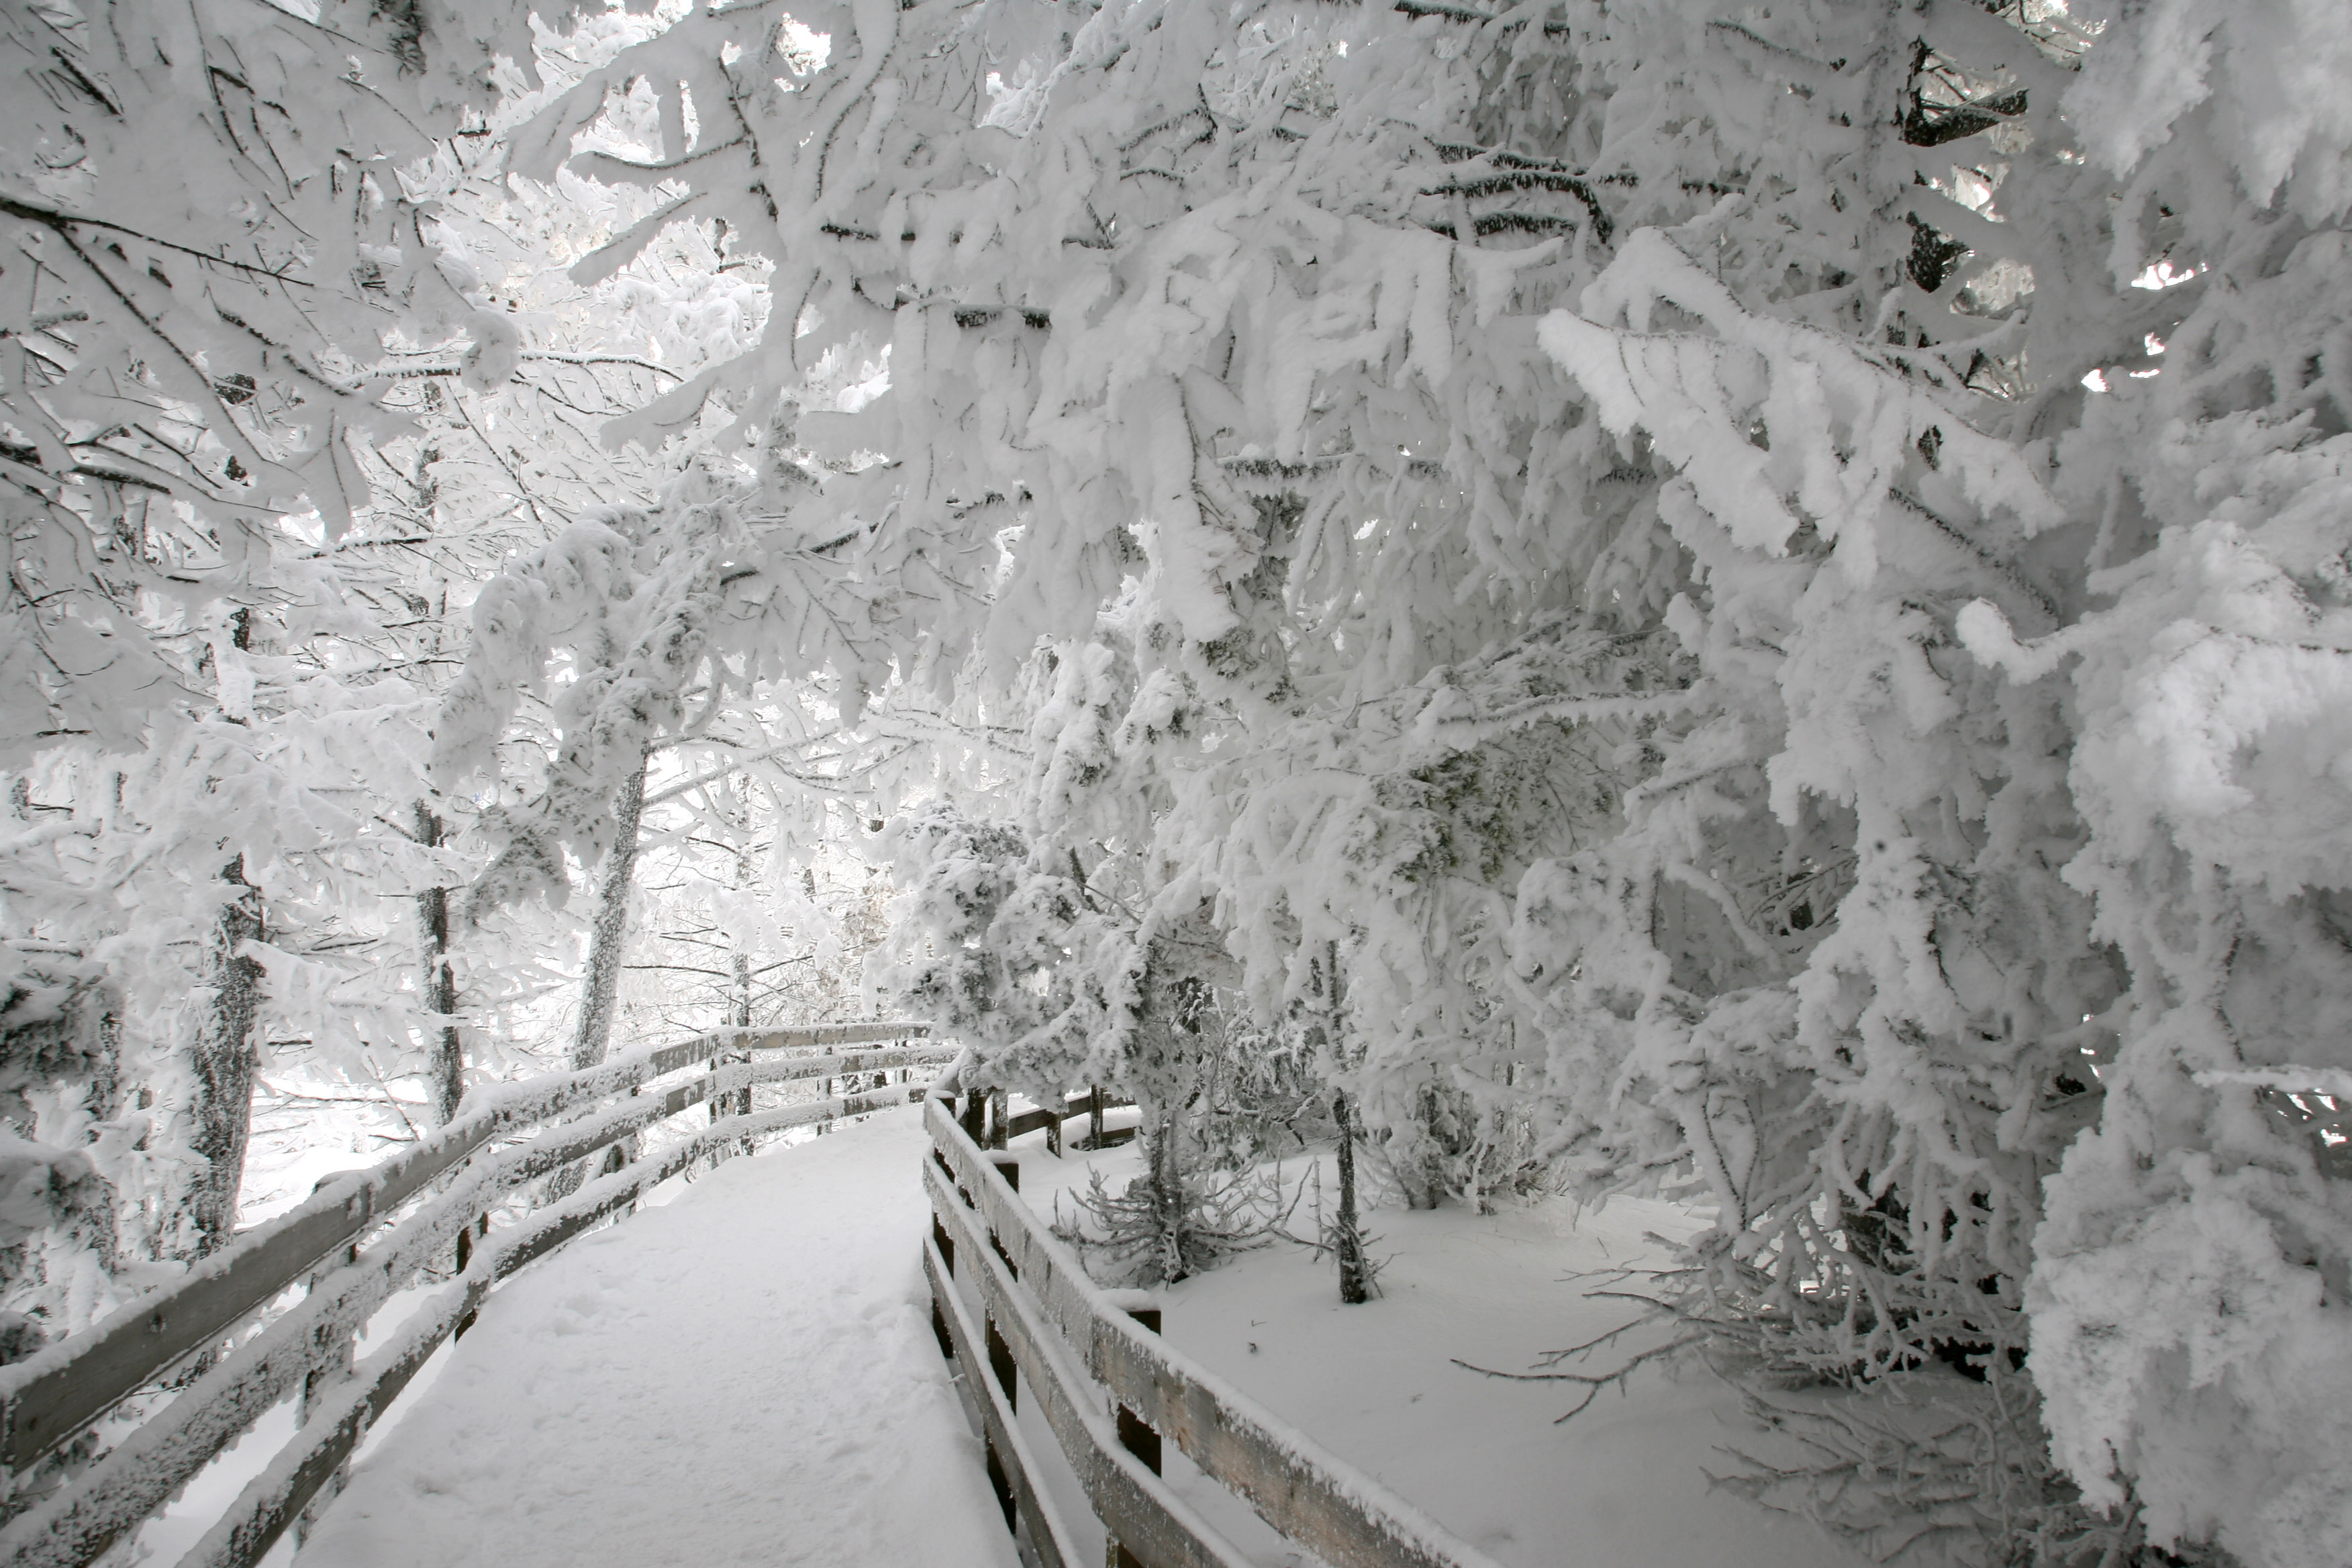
x=1734, y=600
x=2113, y=901
x=1761, y=578
x=666, y=619
x=2188, y=1290
x=209, y=243
x=236, y=309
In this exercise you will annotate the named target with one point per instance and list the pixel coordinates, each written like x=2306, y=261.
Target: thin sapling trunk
x=607, y=944
x=608, y=937
x=1347, y=1236
x=1347, y=1232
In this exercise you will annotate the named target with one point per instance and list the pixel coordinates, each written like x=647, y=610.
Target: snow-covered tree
x=207, y=241
x=1644, y=527
x=234, y=298
x=1730, y=600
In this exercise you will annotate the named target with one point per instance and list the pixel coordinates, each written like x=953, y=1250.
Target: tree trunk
x=447, y=1068
x=1347, y=1231
x=224, y=1057
x=736, y=1102
x=1171, y=1222
x=740, y=1010
x=607, y=944
x=608, y=937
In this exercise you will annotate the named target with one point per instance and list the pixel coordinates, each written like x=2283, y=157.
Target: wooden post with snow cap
x=1095, y=1117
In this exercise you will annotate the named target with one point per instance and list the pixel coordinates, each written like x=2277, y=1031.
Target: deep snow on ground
x=1622, y=1484
x=745, y=1374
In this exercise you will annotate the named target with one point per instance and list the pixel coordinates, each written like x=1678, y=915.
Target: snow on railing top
x=49, y=1396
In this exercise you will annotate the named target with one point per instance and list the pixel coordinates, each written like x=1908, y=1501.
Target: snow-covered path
x=746, y=1374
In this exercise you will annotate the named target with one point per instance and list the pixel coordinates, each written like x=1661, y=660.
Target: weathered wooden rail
x=359, y=1240
x=1111, y=1390
x=991, y=1120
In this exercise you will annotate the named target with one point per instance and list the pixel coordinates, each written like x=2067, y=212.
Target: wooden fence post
x=1011, y=1170
x=1095, y=1117
x=1000, y=1112
x=1002, y=1485
x=1135, y=1434
x=481, y=1227
x=316, y=1382
x=734, y=1101
x=940, y=1329
x=946, y=1244
x=1001, y=1363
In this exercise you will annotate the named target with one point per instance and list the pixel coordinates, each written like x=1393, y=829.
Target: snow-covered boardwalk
x=744, y=1375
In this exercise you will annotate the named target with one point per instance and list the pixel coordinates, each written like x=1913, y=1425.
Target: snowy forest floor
x=743, y=1374
x=1623, y=1483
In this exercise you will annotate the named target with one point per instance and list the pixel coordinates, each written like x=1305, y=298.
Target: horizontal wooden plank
x=1049, y=1537
x=55, y=1393
x=803, y=1035
x=1299, y=1488
x=1028, y=1122
x=575, y=1140
x=1137, y=1507
x=74, y=1525
x=1079, y=1105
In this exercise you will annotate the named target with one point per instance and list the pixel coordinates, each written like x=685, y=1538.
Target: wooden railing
x=358, y=1240
x=1111, y=1390
x=991, y=1121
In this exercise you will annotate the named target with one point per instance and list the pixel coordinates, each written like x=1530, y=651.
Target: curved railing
x=354, y=1244
x=1110, y=1390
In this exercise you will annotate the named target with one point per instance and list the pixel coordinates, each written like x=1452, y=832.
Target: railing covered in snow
x=1110, y=1391
x=221, y=1346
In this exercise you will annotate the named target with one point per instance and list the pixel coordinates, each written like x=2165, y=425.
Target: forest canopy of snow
x=1742, y=602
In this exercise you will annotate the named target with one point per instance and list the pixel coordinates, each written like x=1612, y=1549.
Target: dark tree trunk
x=447, y=1069
x=1347, y=1231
